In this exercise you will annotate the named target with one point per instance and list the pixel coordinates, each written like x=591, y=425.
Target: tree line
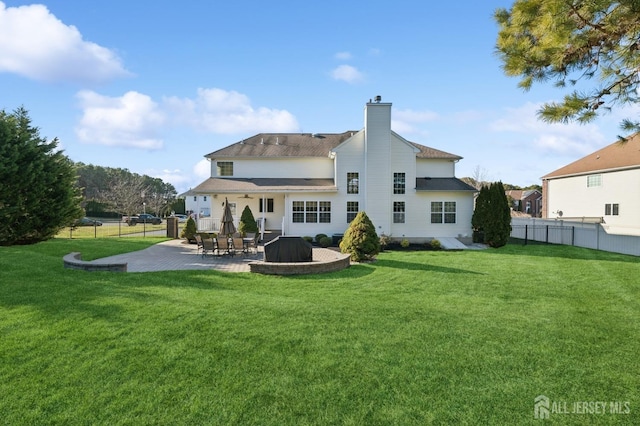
x=42, y=190
x=112, y=192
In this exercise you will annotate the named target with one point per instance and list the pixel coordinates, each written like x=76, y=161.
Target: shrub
x=436, y=245
x=247, y=222
x=385, y=240
x=325, y=242
x=361, y=240
x=189, y=230
x=319, y=237
x=308, y=239
x=405, y=243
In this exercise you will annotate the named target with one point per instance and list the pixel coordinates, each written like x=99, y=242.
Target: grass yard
x=416, y=337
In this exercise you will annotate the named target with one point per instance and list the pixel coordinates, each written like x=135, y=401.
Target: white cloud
x=347, y=73
x=132, y=120
x=36, y=44
x=407, y=120
x=202, y=169
x=228, y=112
x=344, y=56
x=374, y=51
x=556, y=138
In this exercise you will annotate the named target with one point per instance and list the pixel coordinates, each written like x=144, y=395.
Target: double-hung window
x=311, y=212
x=268, y=203
x=443, y=212
x=611, y=209
x=353, y=183
x=399, y=183
x=352, y=210
x=398, y=212
x=225, y=168
x=594, y=180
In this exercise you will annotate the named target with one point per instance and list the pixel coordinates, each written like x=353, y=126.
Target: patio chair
x=225, y=246
x=251, y=241
x=198, y=238
x=238, y=243
x=209, y=245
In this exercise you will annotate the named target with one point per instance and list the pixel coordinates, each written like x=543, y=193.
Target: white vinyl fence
x=580, y=234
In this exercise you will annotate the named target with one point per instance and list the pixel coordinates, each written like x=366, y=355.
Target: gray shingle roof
x=259, y=185
x=282, y=145
x=442, y=184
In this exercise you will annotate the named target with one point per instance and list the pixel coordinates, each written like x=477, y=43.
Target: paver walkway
x=176, y=255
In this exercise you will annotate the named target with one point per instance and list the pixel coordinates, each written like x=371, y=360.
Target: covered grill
x=288, y=249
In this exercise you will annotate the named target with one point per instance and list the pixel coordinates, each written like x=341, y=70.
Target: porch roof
x=258, y=185
x=442, y=184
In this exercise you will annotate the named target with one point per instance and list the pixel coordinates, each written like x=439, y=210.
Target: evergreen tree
x=189, y=230
x=361, y=239
x=568, y=42
x=247, y=222
x=479, y=218
x=497, y=223
x=38, y=195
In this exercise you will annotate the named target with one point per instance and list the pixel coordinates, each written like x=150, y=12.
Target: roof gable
x=615, y=156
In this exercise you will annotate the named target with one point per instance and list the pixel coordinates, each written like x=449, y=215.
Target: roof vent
x=261, y=141
x=277, y=141
x=378, y=99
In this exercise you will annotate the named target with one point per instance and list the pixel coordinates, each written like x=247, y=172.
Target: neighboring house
x=528, y=201
x=603, y=186
x=306, y=184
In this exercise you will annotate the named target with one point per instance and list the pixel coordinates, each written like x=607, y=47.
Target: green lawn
x=414, y=338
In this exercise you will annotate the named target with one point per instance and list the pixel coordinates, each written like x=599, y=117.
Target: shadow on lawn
x=535, y=248
x=415, y=266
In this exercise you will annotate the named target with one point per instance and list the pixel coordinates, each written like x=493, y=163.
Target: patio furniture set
x=226, y=245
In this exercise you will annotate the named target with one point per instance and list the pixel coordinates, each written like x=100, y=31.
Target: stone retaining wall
x=73, y=261
x=300, y=268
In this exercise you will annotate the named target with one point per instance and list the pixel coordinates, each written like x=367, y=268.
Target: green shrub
x=319, y=237
x=385, y=240
x=405, y=243
x=325, y=242
x=361, y=240
x=189, y=230
x=247, y=222
x=436, y=245
x=308, y=239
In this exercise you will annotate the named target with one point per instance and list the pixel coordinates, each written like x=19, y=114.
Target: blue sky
x=153, y=86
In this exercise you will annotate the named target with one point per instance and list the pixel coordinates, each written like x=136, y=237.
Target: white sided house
x=602, y=187
x=309, y=184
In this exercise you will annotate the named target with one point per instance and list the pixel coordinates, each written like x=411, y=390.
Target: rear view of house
x=307, y=184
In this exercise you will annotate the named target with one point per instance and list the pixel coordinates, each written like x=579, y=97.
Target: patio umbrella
x=226, y=224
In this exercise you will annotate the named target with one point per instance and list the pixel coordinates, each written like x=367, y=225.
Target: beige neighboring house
x=602, y=187
x=306, y=184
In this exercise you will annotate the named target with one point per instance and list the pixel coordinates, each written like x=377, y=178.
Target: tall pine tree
x=38, y=191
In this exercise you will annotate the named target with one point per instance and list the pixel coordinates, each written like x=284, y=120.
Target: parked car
x=85, y=221
x=181, y=217
x=144, y=218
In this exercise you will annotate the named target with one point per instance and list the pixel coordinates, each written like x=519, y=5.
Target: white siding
x=572, y=196
x=308, y=168
x=378, y=180
x=435, y=168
